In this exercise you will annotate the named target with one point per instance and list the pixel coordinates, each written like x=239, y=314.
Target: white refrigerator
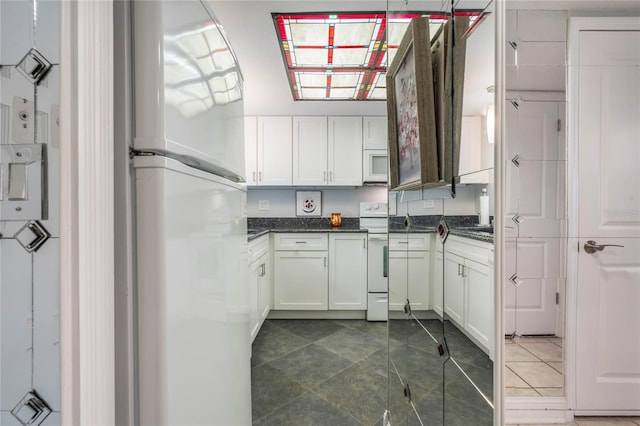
x=193, y=347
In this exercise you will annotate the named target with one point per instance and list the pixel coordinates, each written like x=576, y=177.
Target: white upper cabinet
x=251, y=150
x=327, y=151
x=374, y=132
x=310, y=151
x=345, y=151
x=271, y=143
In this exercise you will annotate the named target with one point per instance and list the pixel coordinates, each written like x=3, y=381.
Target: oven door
x=377, y=281
x=374, y=165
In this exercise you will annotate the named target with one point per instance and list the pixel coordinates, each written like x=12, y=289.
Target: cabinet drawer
x=303, y=241
x=258, y=247
x=411, y=242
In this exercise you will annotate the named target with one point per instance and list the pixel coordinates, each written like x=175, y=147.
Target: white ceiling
x=251, y=31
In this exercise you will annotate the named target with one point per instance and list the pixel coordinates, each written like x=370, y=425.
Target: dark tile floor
x=334, y=372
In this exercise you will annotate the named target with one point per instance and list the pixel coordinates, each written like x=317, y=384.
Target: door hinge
x=557, y=298
x=559, y=124
x=407, y=392
x=407, y=309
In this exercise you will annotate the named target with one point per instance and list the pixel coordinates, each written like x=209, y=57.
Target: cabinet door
x=274, y=151
x=454, y=288
x=265, y=288
x=479, y=301
x=310, y=151
x=398, y=266
x=419, y=280
x=438, y=277
x=374, y=132
x=347, y=271
x=300, y=280
x=345, y=151
x=251, y=150
x=254, y=303
x=409, y=279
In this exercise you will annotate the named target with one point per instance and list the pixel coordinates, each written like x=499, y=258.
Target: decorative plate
x=308, y=203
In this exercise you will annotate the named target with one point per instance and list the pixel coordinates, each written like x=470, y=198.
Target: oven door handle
x=378, y=237
x=385, y=261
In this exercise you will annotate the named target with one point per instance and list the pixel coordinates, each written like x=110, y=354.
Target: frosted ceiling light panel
x=314, y=93
x=343, y=79
x=312, y=79
x=342, y=93
x=356, y=34
x=335, y=43
x=349, y=57
x=310, y=57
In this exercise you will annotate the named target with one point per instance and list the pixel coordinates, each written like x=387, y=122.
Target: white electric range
x=374, y=218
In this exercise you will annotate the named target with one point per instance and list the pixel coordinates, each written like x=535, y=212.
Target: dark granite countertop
x=419, y=224
x=252, y=234
x=486, y=237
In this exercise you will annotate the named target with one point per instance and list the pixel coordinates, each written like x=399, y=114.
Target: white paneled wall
x=29, y=282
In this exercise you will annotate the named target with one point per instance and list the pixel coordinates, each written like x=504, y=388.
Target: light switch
x=427, y=204
x=17, y=182
x=263, y=205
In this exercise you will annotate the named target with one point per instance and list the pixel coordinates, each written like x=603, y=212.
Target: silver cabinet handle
x=301, y=242
x=254, y=177
x=331, y=176
x=325, y=261
x=260, y=176
x=591, y=246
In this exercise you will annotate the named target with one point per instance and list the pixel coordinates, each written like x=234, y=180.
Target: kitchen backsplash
x=281, y=202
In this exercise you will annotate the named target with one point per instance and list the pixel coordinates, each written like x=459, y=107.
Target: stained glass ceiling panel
x=344, y=55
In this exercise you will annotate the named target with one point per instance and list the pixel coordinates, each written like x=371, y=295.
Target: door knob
x=592, y=247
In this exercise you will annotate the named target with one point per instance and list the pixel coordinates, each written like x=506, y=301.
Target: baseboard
x=527, y=410
x=610, y=413
x=276, y=314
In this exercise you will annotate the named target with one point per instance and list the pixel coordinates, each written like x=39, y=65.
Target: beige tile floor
x=534, y=367
x=601, y=421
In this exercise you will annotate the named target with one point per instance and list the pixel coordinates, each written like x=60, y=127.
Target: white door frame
x=576, y=25
x=86, y=213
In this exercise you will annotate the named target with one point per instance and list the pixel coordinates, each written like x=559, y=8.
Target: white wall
x=334, y=200
x=29, y=282
x=347, y=201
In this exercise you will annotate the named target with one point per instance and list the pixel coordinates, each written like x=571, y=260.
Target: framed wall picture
x=413, y=152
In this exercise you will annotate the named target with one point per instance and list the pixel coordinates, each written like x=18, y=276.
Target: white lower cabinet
x=259, y=283
x=437, y=299
x=454, y=288
x=320, y=271
x=409, y=271
x=468, y=288
x=348, y=271
x=301, y=275
x=479, y=306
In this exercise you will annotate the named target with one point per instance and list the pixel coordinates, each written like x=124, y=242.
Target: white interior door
x=607, y=81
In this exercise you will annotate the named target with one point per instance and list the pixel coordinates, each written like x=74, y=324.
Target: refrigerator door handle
x=194, y=162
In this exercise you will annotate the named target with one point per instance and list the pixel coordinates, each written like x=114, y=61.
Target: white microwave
x=375, y=165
